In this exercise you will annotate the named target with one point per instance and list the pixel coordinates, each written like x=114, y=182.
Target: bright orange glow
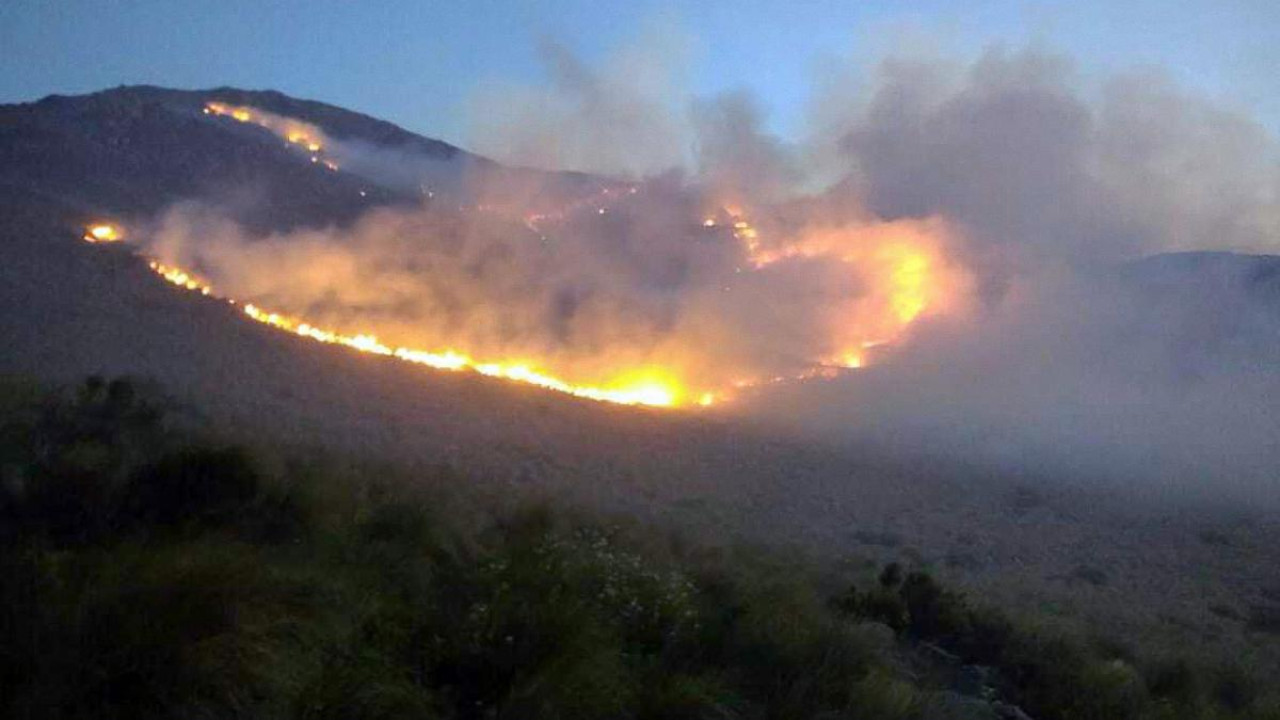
x=294, y=132
x=103, y=233
x=909, y=279
x=902, y=263
x=645, y=387
x=902, y=276
x=873, y=280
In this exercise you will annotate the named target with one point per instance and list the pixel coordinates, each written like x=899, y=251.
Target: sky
x=418, y=63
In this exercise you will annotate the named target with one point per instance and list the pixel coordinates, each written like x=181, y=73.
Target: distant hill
x=132, y=151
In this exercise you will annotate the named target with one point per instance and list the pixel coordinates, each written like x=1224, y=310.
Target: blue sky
x=416, y=63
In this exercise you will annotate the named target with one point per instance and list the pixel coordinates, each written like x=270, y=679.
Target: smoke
x=634, y=284
x=1041, y=166
x=1082, y=359
x=736, y=158
x=1159, y=378
x=974, y=231
x=626, y=119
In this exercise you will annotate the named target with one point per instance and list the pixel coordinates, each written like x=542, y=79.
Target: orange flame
x=650, y=386
x=294, y=132
x=905, y=271
x=903, y=262
x=103, y=233
x=902, y=270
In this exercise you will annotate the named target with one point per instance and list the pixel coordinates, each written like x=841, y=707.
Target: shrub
x=190, y=630
x=199, y=486
x=932, y=611
x=145, y=575
x=73, y=457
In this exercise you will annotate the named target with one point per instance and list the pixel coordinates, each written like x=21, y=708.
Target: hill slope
x=68, y=309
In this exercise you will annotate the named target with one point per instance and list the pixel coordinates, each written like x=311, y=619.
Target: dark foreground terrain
x=153, y=570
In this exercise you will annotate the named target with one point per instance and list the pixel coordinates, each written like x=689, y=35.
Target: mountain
x=133, y=151
x=69, y=309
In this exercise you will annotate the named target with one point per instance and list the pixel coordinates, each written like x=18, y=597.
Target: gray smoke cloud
x=736, y=156
x=1080, y=360
x=1040, y=165
x=624, y=119
x=1020, y=194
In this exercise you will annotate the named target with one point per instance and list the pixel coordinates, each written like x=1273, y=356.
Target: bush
x=146, y=574
x=932, y=611
x=206, y=487
x=916, y=604
x=189, y=630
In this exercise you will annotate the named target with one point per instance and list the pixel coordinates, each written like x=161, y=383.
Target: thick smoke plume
x=975, y=232
x=633, y=285
x=1083, y=358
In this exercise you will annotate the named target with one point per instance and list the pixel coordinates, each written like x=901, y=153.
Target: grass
x=149, y=571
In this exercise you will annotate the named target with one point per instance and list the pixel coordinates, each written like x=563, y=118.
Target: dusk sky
x=417, y=63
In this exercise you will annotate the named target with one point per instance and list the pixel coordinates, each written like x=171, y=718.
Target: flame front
x=296, y=133
x=652, y=387
x=905, y=265
x=848, y=287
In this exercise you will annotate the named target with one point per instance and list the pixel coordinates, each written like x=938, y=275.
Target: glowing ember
x=103, y=233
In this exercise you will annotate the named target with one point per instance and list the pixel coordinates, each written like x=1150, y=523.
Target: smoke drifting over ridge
x=625, y=119
x=636, y=286
x=971, y=249
x=1162, y=374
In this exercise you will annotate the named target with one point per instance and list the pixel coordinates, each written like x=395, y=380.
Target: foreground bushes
x=143, y=574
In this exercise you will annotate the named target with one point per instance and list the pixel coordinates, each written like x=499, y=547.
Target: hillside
x=67, y=310
x=133, y=151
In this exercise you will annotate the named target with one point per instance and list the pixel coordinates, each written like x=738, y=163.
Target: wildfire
x=650, y=387
x=601, y=199
x=902, y=264
x=103, y=233
x=652, y=390
x=180, y=278
x=296, y=133
x=897, y=272
x=908, y=275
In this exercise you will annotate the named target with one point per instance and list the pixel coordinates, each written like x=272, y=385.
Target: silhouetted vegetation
x=147, y=572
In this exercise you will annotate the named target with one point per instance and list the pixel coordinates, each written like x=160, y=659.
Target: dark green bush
x=932, y=611
x=200, y=486
x=147, y=572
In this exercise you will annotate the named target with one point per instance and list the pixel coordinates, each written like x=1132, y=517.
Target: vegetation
x=149, y=571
